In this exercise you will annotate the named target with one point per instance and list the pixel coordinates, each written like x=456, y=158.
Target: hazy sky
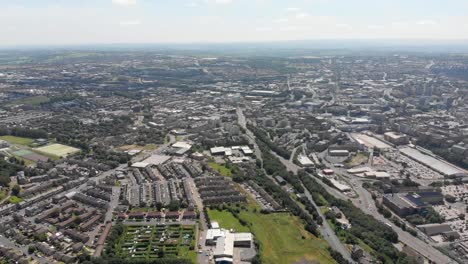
x=33, y=22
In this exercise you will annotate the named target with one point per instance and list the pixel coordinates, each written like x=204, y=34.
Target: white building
x=305, y=161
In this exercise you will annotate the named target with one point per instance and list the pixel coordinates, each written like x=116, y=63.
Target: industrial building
x=404, y=204
x=225, y=242
x=396, y=138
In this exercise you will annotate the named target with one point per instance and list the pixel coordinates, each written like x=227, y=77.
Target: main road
x=327, y=232
x=367, y=205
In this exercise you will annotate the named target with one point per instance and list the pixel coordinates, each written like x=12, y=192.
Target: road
x=24, y=249
x=327, y=232
x=367, y=205
x=250, y=135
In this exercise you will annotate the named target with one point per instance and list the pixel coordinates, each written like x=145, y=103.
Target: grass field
x=35, y=100
x=283, y=239
x=226, y=220
x=221, y=169
x=17, y=140
x=15, y=200
x=3, y=193
x=57, y=150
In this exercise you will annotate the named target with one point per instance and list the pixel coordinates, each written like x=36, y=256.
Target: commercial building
x=305, y=161
x=225, y=242
x=404, y=204
x=396, y=138
x=339, y=153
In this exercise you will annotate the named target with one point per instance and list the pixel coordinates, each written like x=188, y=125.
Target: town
x=196, y=158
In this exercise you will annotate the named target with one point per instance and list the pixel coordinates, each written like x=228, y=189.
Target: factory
x=404, y=204
x=225, y=241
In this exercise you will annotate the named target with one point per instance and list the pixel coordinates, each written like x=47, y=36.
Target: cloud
x=344, y=26
x=192, y=4
x=130, y=22
x=124, y=2
x=293, y=9
x=282, y=20
x=375, y=27
x=263, y=29
x=223, y=2
x=427, y=23
x=302, y=15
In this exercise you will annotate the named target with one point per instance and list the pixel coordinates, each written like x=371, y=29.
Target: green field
x=57, y=150
x=35, y=100
x=148, y=242
x=15, y=200
x=283, y=239
x=221, y=169
x=226, y=220
x=3, y=193
x=17, y=140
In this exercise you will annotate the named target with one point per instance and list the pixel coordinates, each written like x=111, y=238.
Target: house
x=189, y=215
x=173, y=215
x=154, y=215
x=4, y=144
x=136, y=215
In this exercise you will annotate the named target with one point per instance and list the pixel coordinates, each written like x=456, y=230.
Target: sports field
x=17, y=140
x=57, y=150
x=29, y=155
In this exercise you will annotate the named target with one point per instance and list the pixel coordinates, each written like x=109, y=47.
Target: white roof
x=212, y=234
x=381, y=174
x=243, y=237
x=224, y=260
x=218, y=150
x=214, y=225
x=304, y=160
x=140, y=164
x=339, y=151
x=359, y=170
x=246, y=150
x=157, y=159
x=70, y=194
x=225, y=246
x=340, y=186
x=182, y=144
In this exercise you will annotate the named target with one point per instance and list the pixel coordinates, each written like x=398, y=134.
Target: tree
x=450, y=198
x=15, y=190
x=31, y=249
x=174, y=205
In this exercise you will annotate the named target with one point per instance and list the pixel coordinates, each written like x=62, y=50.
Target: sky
x=76, y=22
